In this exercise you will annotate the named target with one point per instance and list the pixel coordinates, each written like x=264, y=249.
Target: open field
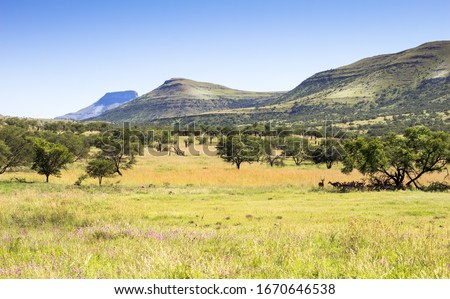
x=198, y=217
x=202, y=167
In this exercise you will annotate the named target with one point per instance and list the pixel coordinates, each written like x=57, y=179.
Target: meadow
x=199, y=217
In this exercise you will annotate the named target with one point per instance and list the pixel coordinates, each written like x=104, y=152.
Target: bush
x=437, y=187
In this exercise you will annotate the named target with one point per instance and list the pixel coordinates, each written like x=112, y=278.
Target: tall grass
x=204, y=231
x=199, y=217
x=209, y=171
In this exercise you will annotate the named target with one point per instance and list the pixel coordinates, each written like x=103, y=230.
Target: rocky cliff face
x=109, y=101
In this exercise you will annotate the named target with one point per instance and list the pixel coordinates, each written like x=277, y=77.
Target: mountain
x=413, y=81
x=406, y=82
x=180, y=97
x=109, y=101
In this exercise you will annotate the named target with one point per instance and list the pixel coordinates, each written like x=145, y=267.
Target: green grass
x=58, y=231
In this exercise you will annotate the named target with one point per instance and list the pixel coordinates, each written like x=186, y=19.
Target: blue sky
x=59, y=56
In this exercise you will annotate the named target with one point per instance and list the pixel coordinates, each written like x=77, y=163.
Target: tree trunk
x=46, y=178
x=100, y=180
x=238, y=165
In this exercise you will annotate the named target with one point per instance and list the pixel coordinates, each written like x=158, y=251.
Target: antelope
x=321, y=183
x=335, y=184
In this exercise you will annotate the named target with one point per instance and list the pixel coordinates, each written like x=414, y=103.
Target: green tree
x=50, y=158
x=269, y=150
x=430, y=151
x=100, y=168
x=77, y=144
x=329, y=152
x=16, y=149
x=398, y=158
x=4, y=153
x=238, y=148
x=121, y=149
x=296, y=148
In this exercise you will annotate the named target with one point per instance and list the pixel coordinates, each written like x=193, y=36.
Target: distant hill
x=412, y=81
x=406, y=82
x=180, y=97
x=416, y=80
x=109, y=101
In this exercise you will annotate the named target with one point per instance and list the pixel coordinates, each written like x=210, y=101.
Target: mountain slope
x=109, y=101
x=368, y=77
x=179, y=97
x=411, y=81
x=405, y=82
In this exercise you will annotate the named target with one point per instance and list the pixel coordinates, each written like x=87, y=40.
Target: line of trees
x=393, y=160
x=48, y=153
x=396, y=159
x=238, y=147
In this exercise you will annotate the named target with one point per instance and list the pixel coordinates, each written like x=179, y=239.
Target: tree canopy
x=399, y=159
x=50, y=158
x=330, y=151
x=121, y=148
x=15, y=148
x=100, y=168
x=297, y=148
x=238, y=148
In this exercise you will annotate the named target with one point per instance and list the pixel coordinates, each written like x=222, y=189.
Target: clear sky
x=60, y=56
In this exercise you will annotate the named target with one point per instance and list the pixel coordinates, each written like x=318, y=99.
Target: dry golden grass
x=210, y=171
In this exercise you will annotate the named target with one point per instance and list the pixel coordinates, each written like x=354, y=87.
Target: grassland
x=197, y=217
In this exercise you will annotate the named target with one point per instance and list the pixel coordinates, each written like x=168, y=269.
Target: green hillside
x=413, y=81
x=406, y=82
x=179, y=97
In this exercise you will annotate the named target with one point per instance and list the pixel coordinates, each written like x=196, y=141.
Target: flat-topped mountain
x=180, y=97
x=109, y=101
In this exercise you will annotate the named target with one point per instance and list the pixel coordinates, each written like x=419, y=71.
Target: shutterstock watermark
x=195, y=140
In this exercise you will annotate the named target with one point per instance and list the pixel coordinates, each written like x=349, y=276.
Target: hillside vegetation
x=413, y=81
x=182, y=97
x=407, y=82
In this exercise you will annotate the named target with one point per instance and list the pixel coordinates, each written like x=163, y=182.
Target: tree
x=430, y=152
x=120, y=150
x=239, y=148
x=269, y=147
x=17, y=122
x=50, y=158
x=296, y=148
x=15, y=148
x=4, y=153
x=329, y=152
x=100, y=168
x=78, y=145
x=397, y=158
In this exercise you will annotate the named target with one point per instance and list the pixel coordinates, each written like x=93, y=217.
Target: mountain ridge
x=410, y=81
